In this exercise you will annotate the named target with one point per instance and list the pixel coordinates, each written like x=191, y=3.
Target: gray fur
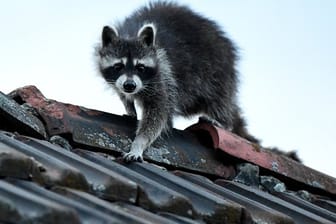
x=194, y=70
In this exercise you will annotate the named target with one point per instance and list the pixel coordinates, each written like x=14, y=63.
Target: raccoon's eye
x=118, y=66
x=140, y=68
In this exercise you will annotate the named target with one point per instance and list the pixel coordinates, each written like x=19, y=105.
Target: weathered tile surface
x=242, y=149
x=80, y=180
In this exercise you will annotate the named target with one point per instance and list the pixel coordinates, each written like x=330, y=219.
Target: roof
x=60, y=163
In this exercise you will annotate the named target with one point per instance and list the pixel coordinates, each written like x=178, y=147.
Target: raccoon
x=171, y=61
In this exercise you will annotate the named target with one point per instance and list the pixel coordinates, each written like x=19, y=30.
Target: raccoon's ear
x=147, y=34
x=109, y=35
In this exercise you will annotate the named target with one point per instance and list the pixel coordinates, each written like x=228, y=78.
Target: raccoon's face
x=128, y=64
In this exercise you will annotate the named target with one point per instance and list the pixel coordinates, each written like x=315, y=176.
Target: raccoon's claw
x=132, y=157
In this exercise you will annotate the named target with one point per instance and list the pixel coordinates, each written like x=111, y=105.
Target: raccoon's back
x=201, y=57
x=193, y=43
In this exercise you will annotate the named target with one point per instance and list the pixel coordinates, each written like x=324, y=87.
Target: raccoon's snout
x=129, y=86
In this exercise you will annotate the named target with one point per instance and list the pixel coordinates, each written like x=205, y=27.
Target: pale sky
x=287, y=65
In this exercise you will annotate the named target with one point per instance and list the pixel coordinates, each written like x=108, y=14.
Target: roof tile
x=207, y=205
x=16, y=164
x=325, y=203
x=14, y=117
x=54, y=171
x=20, y=205
x=298, y=214
x=259, y=211
x=103, y=182
x=81, y=180
x=85, y=213
x=109, y=133
x=293, y=199
x=111, y=209
x=281, y=165
x=152, y=195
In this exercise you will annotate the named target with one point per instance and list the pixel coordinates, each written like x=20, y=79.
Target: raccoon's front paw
x=132, y=156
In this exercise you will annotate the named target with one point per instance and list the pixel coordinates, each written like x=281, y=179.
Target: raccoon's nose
x=129, y=86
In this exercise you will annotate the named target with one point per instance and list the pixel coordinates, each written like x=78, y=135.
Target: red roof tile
x=243, y=149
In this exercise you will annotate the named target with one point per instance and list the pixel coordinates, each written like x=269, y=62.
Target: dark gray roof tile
x=16, y=164
x=180, y=219
x=56, y=171
x=326, y=204
x=14, y=117
x=104, y=183
x=100, y=205
x=152, y=195
x=20, y=205
x=259, y=211
x=144, y=214
x=298, y=214
x=304, y=204
x=208, y=205
x=86, y=214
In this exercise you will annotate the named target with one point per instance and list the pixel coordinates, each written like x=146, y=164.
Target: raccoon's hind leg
x=239, y=128
x=232, y=122
x=206, y=119
x=220, y=116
